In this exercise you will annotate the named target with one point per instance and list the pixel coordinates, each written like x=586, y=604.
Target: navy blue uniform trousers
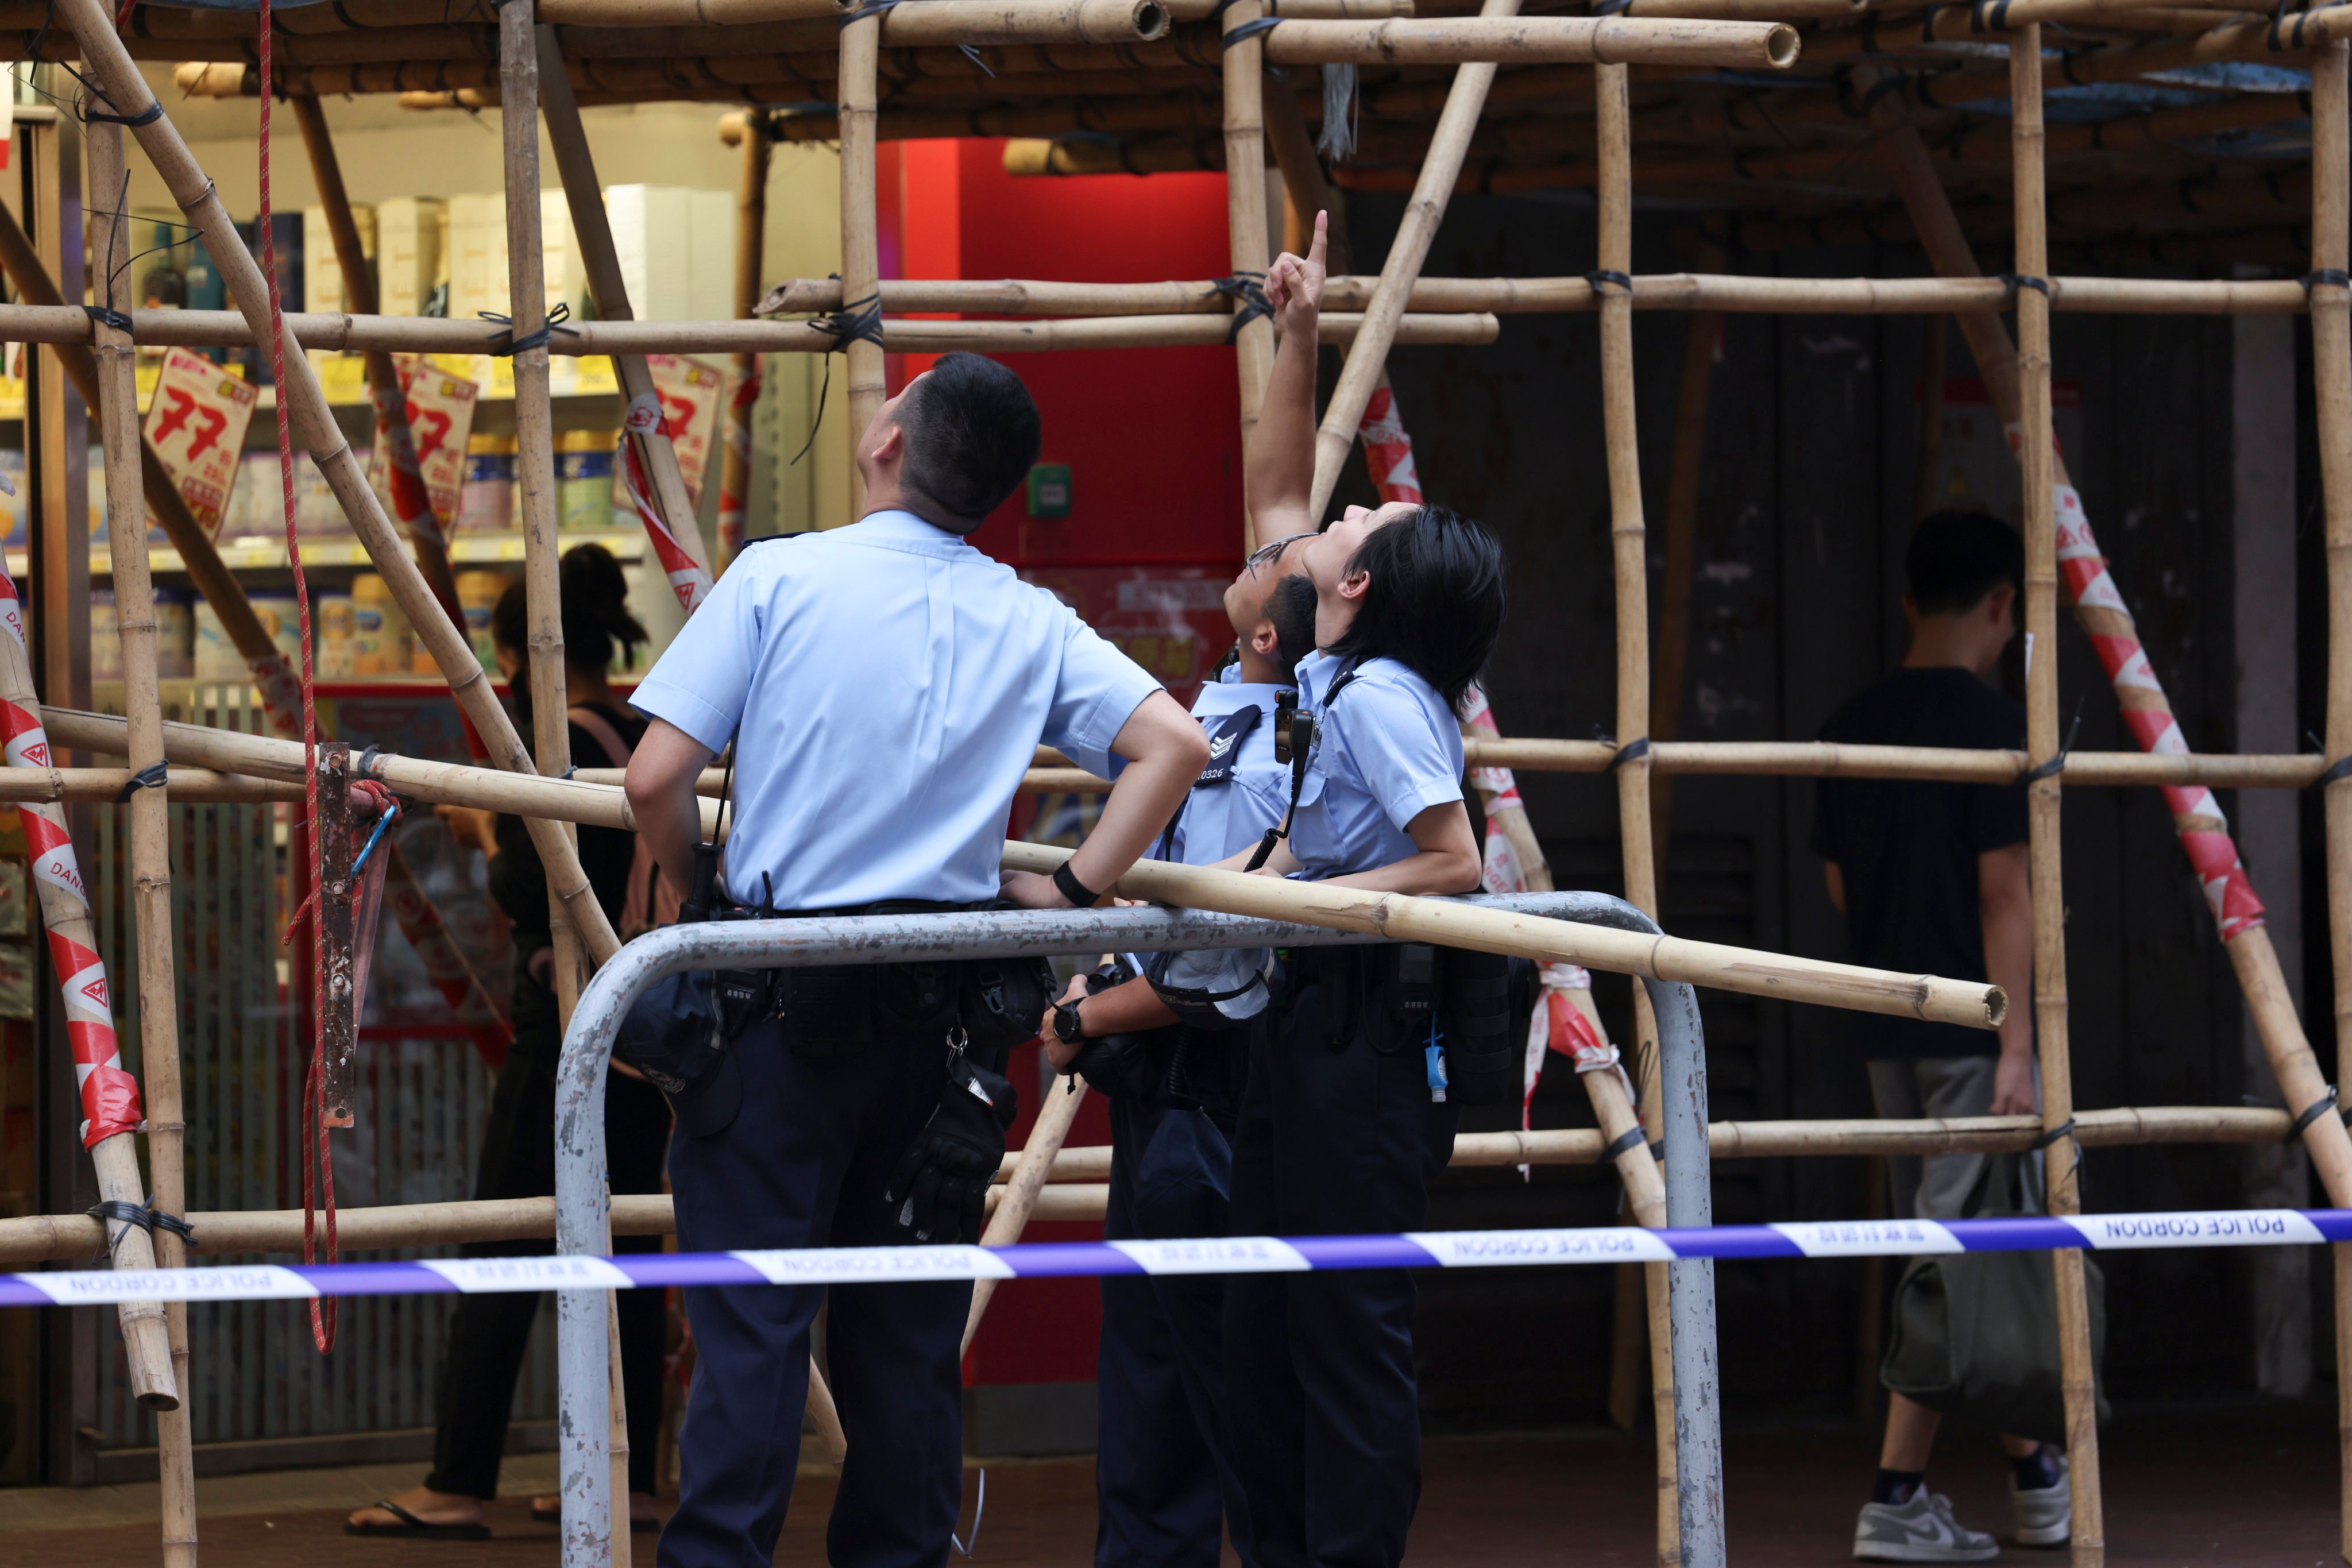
x=805, y=1165
x=1164, y=1481
x=1323, y=1407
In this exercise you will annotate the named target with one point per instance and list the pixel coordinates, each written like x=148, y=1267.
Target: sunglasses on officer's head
x=1272, y=550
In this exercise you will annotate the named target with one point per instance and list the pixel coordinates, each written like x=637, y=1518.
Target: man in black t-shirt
x=1931, y=878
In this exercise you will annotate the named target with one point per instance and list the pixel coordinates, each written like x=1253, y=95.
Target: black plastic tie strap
x=2341, y=768
x=118, y=320
x=2311, y=1113
x=1245, y=289
x=2063, y=1129
x=1602, y=278
x=855, y=322
x=151, y=776
x=1248, y=30
x=2332, y=276
x=146, y=1216
x=538, y=340
x=2017, y=280
x=2057, y=764
x=871, y=8
x=1631, y=751
x=363, y=765
x=152, y=113
x=1628, y=1139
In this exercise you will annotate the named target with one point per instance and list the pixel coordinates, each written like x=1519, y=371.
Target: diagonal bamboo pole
x=151, y=825
x=1628, y=549
x=2037, y=445
x=1245, y=233
x=301, y=399
x=1056, y=1116
x=586, y=193
x=2331, y=360
x=1367, y=355
x=751, y=240
x=410, y=499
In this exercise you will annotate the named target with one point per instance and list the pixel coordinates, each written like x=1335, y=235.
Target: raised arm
x=1279, y=468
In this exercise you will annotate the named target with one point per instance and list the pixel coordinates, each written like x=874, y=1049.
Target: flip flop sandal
x=555, y=1516
x=415, y=1529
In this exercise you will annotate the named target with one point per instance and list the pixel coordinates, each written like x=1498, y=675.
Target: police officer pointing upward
x=885, y=685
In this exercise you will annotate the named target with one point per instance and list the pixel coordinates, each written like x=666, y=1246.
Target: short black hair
x=596, y=594
x=973, y=435
x=1436, y=601
x=1290, y=605
x=1958, y=557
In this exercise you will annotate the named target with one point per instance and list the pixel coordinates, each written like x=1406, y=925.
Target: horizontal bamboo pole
x=186, y=787
x=1403, y=918
x=1298, y=10
x=948, y=22
x=1535, y=40
x=1823, y=758
x=431, y=335
x=1074, y=1187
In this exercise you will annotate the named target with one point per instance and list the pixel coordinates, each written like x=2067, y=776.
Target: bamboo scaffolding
x=1492, y=37
x=1073, y=1189
x=648, y=431
x=750, y=238
x=303, y=400
x=1247, y=244
x=190, y=786
x=2331, y=359
x=404, y=481
x=861, y=264
x=1031, y=1169
x=151, y=827
x=2037, y=445
x=1367, y=358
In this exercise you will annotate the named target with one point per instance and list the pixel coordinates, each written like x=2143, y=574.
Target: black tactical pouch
x=914, y=998
x=744, y=997
x=1407, y=980
x=826, y=1012
x=1000, y=1001
x=1488, y=1000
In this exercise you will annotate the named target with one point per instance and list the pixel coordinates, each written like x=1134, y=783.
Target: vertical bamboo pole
x=1627, y=532
x=151, y=825
x=112, y=68
x=750, y=241
x=1245, y=236
x=861, y=257
x=2035, y=447
x=585, y=194
x=2331, y=363
x=411, y=500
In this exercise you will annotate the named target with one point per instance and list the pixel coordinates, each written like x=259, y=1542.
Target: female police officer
x=886, y=686
x=1343, y=1122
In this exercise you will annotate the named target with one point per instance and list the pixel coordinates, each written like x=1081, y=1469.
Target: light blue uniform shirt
x=887, y=685
x=1386, y=751
x=1221, y=820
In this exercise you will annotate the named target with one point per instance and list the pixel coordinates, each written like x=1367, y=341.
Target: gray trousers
x=1906, y=1088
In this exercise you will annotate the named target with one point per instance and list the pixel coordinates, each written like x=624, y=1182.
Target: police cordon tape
x=1227, y=1255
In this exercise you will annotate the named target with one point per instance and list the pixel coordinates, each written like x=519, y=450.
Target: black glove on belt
x=939, y=1190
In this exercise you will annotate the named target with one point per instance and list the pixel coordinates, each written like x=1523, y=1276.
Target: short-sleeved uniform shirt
x=1908, y=848
x=887, y=685
x=1386, y=750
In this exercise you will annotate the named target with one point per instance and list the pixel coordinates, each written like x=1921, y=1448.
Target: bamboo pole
x=1505, y=37
x=2037, y=442
x=1629, y=555
x=411, y=501
x=193, y=786
x=151, y=825
x=1247, y=242
x=300, y=398
x=861, y=257
x=1074, y=1182
x=1367, y=355
x=2331, y=359
x=1031, y=1169
x=1448, y=924
x=648, y=432
x=750, y=238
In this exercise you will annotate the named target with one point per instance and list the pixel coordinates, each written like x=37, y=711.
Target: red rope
x=319, y=1172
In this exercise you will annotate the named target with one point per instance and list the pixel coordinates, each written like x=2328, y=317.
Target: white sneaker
x=1920, y=1531
x=2045, y=1515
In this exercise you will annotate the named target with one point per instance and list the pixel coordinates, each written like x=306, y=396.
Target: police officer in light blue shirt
x=1165, y=1484
x=1346, y=1114
x=885, y=686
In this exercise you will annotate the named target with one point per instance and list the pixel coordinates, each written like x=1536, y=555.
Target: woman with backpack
x=489, y=1333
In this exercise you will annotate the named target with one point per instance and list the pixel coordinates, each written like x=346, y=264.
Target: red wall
x=1152, y=440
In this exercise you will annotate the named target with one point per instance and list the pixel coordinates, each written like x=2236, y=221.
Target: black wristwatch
x=1068, y=1027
